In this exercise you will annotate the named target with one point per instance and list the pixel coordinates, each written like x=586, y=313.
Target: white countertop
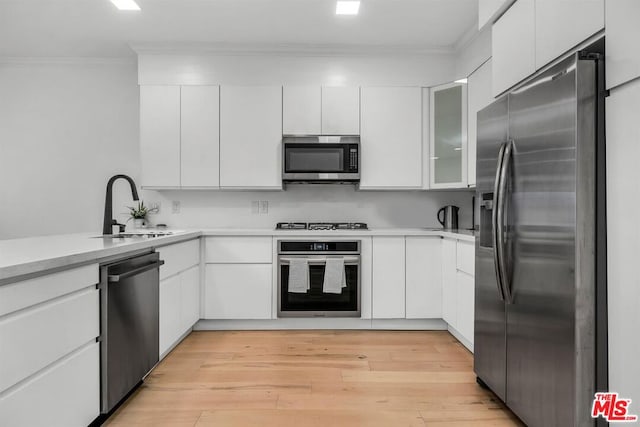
x=20, y=257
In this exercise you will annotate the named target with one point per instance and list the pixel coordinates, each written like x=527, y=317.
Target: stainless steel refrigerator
x=540, y=290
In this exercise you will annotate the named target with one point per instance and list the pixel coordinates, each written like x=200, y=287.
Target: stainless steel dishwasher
x=129, y=316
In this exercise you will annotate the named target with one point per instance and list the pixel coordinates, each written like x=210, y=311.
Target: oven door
x=307, y=161
x=315, y=303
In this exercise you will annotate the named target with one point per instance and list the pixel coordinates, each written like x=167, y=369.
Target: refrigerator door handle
x=494, y=221
x=504, y=172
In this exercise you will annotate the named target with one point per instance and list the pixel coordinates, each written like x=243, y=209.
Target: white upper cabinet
x=388, y=278
x=160, y=135
x=487, y=9
x=622, y=35
x=250, y=137
x=301, y=110
x=563, y=24
x=340, y=111
x=513, y=46
x=200, y=136
x=448, y=141
x=479, y=96
x=391, y=137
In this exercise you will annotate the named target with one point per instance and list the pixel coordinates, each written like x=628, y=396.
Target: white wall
x=65, y=128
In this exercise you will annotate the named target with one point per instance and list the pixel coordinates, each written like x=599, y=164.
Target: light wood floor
x=314, y=378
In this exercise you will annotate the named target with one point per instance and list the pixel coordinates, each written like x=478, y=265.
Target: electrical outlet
x=255, y=207
x=264, y=207
x=175, y=206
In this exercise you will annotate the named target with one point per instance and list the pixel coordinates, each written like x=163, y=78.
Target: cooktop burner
x=322, y=226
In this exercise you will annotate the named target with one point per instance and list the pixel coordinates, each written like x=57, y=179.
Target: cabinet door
x=160, y=135
x=449, y=287
x=250, y=137
x=340, y=111
x=623, y=33
x=170, y=304
x=189, y=297
x=388, y=278
x=391, y=126
x=200, y=136
x=563, y=24
x=623, y=238
x=479, y=88
x=465, y=298
x=513, y=46
x=448, y=142
x=238, y=291
x=301, y=110
x=423, y=277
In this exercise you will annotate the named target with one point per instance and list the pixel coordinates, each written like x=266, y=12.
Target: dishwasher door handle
x=114, y=278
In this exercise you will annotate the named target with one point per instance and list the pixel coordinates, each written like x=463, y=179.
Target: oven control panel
x=344, y=247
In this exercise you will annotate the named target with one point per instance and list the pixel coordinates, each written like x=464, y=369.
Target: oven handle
x=323, y=260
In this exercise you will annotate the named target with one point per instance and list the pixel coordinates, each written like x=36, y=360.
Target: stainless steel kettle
x=450, y=217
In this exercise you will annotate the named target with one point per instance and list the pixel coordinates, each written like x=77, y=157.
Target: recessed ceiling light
x=347, y=7
x=126, y=4
x=461, y=81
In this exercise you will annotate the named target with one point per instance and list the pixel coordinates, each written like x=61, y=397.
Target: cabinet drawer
x=179, y=257
x=19, y=295
x=238, y=291
x=65, y=394
x=465, y=257
x=240, y=250
x=34, y=338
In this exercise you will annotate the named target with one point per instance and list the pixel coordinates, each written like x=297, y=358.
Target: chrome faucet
x=109, y=222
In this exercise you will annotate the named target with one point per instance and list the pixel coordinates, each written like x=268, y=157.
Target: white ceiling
x=97, y=28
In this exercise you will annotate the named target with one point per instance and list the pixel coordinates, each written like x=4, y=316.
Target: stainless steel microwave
x=321, y=159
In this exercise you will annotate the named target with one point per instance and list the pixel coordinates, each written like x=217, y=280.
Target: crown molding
x=286, y=49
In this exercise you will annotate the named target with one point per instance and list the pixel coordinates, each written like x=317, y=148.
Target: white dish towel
x=298, y=275
x=334, y=276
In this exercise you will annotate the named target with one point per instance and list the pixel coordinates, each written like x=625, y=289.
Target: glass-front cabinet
x=448, y=139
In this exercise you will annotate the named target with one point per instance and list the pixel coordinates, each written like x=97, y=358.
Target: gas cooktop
x=322, y=226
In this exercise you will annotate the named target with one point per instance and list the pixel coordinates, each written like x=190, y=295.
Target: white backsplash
x=380, y=209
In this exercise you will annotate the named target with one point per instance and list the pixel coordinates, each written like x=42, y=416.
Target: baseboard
x=465, y=342
x=315, y=323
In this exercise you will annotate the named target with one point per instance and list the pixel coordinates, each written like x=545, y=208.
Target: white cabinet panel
x=301, y=110
x=19, y=295
x=513, y=46
x=466, y=257
x=200, y=136
x=250, y=137
x=623, y=239
x=65, y=394
x=340, y=111
x=238, y=291
x=391, y=137
x=487, y=9
x=563, y=24
x=239, y=249
x=178, y=257
x=170, y=305
x=34, y=338
x=189, y=297
x=388, y=278
x=449, y=287
x=479, y=96
x=465, y=311
x=423, y=277
x=160, y=135
x=622, y=35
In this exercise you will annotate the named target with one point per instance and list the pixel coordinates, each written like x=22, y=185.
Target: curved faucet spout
x=108, y=210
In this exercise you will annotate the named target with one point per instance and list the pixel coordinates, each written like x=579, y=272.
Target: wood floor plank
x=314, y=378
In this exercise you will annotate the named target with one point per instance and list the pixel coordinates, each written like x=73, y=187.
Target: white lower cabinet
x=449, y=291
x=190, y=297
x=238, y=291
x=388, y=278
x=423, y=277
x=66, y=393
x=465, y=302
